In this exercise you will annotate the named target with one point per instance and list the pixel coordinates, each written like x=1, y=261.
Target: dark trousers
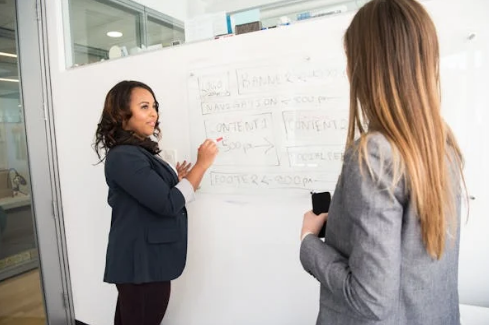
x=142, y=304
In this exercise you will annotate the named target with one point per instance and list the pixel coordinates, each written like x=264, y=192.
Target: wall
x=199, y=7
x=465, y=105
x=176, y=9
x=196, y=8
x=235, y=5
x=243, y=265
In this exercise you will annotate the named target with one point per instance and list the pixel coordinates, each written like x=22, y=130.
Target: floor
x=21, y=300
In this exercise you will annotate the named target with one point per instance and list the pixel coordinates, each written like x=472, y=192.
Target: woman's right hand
x=205, y=158
x=207, y=153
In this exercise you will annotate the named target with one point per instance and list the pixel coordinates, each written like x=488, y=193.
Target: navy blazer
x=148, y=231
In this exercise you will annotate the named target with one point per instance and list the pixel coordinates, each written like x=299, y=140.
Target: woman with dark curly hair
x=147, y=245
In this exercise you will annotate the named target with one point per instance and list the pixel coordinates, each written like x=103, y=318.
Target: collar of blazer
x=160, y=162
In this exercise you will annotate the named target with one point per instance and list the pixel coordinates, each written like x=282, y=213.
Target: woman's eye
x=144, y=107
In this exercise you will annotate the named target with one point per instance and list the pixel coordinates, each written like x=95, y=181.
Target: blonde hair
x=393, y=67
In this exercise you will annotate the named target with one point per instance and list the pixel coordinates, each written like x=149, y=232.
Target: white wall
x=176, y=9
x=465, y=82
x=306, y=5
x=234, y=5
x=196, y=8
x=243, y=265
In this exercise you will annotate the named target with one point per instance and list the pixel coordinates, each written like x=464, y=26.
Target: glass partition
x=108, y=29
x=100, y=30
x=21, y=297
x=160, y=32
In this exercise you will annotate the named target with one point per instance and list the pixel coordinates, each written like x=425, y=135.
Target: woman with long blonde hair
x=390, y=254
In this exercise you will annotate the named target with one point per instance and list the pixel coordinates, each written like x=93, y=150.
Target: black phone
x=320, y=204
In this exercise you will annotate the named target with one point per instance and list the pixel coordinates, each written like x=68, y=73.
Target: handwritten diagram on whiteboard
x=283, y=123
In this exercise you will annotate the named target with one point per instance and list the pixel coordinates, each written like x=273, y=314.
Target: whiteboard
x=283, y=122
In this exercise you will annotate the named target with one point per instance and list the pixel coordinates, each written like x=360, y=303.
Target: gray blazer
x=373, y=267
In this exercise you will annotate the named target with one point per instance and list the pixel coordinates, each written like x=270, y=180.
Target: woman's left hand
x=313, y=223
x=182, y=169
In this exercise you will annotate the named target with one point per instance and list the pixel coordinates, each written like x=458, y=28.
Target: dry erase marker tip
x=218, y=139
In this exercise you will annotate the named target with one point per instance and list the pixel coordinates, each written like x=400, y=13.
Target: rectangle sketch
x=302, y=75
x=271, y=102
x=329, y=126
x=248, y=140
x=323, y=157
x=274, y=180
x=214, y=85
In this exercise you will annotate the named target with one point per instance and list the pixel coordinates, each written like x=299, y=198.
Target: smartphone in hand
x=320, y=204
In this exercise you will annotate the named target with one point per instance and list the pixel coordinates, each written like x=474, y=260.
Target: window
x=109, y=29
x=100, y=29
x=160, y=32
x=289, y=11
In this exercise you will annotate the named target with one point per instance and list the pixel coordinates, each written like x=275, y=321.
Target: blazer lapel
x=165, y=167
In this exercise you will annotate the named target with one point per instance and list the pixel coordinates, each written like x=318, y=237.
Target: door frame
x=36, y=100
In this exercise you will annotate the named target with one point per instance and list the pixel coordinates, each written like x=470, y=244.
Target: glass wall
x=21, y=301
x=160, y=32
x=108, y=29
x=245, y=16
x=289, y=12
x=17, y=242
x=98, y=28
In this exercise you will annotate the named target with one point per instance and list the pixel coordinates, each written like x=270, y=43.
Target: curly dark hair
x=110, y=132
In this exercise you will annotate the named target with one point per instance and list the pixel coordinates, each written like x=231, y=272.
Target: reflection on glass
x=20, y=291
x=272, y=13
x=163, y=33
x=109, y=29
x=102, y=30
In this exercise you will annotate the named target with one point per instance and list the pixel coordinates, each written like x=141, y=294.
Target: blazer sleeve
x=130, y=170
x=367, y=281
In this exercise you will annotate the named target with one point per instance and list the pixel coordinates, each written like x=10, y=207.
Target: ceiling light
x=114, y=34
x=10, y=55
x=9, y=80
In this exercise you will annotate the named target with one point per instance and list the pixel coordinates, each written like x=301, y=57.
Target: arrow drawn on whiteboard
x=266, y=180
x=269, y=145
